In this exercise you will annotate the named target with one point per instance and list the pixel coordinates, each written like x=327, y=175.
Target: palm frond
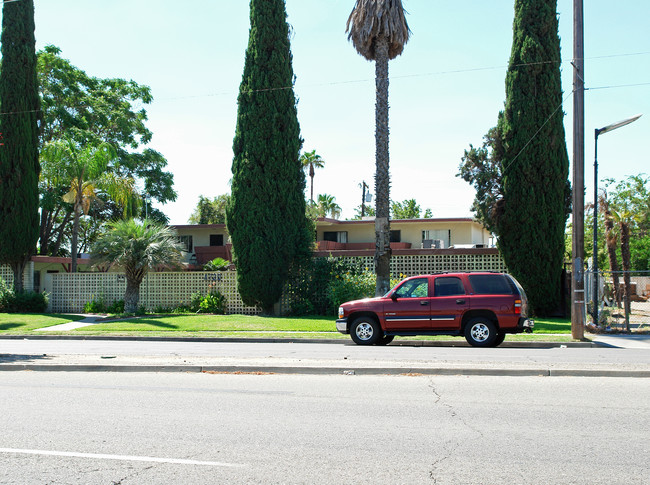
x=371, y=19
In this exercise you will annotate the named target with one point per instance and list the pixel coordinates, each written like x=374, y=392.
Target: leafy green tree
x=311, y=160
x=327, y=206
x=531, y=219
x=481, y=167
x=378, y=31
x=408, y=209
x=90, y=111
x=367, y=212
x=266, y=216
x=19, y=167
x=136, y=247
x=210, y=211
x=86, y=172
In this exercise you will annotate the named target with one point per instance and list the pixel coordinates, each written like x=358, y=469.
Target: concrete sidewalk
x=283, y=356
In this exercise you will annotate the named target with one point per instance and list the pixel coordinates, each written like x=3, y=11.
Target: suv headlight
x=341, y=312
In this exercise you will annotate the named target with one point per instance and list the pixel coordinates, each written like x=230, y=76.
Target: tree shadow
x=156, y=323
x=8, y=358
x=9, y=326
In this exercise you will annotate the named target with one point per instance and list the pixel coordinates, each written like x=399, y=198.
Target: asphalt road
x=111, y=428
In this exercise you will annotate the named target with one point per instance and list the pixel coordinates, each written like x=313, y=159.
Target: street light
x=600, y=131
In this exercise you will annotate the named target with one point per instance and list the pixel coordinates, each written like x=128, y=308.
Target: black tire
x=480, y=332
x=499, y=340
x=385, y=340
x=365, y=331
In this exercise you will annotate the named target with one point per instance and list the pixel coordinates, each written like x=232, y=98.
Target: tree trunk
x=131, y=296
x=610, y=239
x=625, y=257
x=311, y=176
x=18, y=268
x=382, y=175
x=75, y=237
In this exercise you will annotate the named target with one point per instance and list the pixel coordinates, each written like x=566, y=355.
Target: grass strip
x=19, y=323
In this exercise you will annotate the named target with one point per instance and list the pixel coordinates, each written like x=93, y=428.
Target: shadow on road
x=6, y=358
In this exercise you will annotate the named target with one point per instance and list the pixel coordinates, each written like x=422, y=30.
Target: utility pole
x=578, y=249
x=364, y=186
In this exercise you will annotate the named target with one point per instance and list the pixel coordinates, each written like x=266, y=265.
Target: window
x=395, y=236
x=417, y=288
x=336, y=236
x=443, y=235
x=216, y=239
x=448, y=286
x=187, y=242
x=491, y=284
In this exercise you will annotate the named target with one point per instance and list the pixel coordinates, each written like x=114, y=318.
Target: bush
x=217, y=264
x=95, y=306
x=350, y=286
x=116, y=307
x=26, y=302
x=213, y=302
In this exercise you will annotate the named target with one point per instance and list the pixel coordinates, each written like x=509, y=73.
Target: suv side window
x=448, y=286
x=491, y=284
x=417, y=288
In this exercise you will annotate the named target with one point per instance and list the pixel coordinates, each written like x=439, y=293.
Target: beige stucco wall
x=462, y=232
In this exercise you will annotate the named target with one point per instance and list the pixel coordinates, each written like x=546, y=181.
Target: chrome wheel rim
x=480, y=332
x=364, y=331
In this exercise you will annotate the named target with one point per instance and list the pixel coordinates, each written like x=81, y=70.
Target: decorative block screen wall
x=28, y=276
x=70, y=292
x=435, y=263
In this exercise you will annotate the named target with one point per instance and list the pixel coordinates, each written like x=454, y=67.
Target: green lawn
x=19, y=323
x=244, y=326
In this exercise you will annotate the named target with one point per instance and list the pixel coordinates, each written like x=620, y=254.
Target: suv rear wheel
x=365, y=331
x=480, y=332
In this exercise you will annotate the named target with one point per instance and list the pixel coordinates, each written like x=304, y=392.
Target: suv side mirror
x=393, y=296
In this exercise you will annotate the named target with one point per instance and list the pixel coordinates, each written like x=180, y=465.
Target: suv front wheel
x=480, y=332
x=365, y=331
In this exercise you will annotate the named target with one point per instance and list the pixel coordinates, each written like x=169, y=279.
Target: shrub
x=350, y=286
x=217, y=264
x=116, y=307
x=26, y=302
x=95, y=306
x=213, y=302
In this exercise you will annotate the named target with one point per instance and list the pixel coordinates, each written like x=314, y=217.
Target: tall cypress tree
x=266, y=216
x=535, y=165
x=19, y=167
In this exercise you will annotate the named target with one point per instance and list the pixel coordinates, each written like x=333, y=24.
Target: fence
x=8, y=276
x=617, y=310
x=70, y=292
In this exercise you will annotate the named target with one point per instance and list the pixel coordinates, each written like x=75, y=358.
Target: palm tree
x=327, y=205
x=312, y=160
x=85, y=170
x=378, y=31
x=136, y=247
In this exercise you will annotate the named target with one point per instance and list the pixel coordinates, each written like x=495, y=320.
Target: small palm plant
x=136, y=247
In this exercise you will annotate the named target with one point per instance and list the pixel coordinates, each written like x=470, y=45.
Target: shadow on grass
x=9, y=326
x=152, y=321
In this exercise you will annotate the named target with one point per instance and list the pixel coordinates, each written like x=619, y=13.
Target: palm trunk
x=625, y=257
x=74, y=243
x=134, y=279
x=382, y=176
x=311, y=176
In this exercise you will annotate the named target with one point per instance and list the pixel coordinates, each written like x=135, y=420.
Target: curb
x=269, y=340
x=364, y=371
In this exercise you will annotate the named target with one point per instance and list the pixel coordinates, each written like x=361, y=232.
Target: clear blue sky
x=445, y=90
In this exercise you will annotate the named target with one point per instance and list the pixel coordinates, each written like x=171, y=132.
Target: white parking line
x=120, y=457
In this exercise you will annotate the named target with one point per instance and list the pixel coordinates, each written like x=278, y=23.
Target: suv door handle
x=460, y=302
x=424, y=303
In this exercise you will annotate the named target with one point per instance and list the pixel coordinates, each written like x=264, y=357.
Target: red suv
x=483, y=307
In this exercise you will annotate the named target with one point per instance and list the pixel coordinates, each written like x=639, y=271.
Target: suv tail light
x=517, y=306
